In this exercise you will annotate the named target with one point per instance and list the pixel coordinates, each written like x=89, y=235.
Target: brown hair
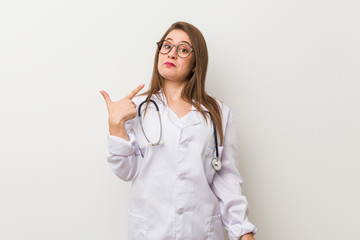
x=194, y=90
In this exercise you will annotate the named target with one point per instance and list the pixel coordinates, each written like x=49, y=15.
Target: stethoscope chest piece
x=216, y=163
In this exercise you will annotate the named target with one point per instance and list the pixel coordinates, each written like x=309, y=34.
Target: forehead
x=178, y=36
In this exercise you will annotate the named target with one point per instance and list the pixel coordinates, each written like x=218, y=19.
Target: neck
x=173, y=90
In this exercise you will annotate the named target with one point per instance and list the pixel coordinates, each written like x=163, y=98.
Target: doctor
x=177, y=193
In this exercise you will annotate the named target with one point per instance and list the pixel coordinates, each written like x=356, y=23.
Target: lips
x=170, y=64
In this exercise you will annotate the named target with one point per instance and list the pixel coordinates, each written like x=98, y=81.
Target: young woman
x=180, y=190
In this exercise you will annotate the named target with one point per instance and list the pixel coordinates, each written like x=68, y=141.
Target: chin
x=167, y=75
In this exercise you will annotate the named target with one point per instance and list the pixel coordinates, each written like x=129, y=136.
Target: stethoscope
x=216, y=163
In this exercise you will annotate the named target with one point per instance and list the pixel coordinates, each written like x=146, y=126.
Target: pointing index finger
x=135, y=91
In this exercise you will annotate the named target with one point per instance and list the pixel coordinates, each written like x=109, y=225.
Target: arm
x=124, y=157
x=123, y=150
x=227, y=188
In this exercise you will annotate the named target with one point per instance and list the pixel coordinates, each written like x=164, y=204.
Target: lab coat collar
x=190, y=119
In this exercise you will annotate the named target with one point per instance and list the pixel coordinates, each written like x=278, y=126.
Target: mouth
x=169, y=64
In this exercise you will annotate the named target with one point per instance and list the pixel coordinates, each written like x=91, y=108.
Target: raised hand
x=120, y=112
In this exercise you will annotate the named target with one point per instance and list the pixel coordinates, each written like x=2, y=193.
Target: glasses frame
x=176, y=49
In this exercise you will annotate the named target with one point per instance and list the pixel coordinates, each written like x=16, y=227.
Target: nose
x=172, y=54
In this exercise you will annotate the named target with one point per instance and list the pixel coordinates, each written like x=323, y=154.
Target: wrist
x=116, y=124
x=248, y=236
x=118, y=130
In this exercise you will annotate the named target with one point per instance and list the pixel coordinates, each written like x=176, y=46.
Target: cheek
x=188, y=65
x=158, y=65
x=159, y=62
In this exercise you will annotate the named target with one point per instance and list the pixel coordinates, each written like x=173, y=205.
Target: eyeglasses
x=182, y=50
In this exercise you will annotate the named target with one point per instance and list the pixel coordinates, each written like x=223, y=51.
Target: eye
x=166, y=45
x=184, y=49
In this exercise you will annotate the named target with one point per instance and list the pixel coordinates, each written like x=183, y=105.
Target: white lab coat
x=176, y=193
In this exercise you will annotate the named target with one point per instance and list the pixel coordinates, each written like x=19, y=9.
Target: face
x=183, y=66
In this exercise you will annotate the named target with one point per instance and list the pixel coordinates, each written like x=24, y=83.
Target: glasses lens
x=165, y=47
x=184, y=50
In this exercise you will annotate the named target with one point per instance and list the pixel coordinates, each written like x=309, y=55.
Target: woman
x=178, y=192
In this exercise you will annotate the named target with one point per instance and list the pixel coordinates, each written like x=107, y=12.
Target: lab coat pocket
x=137, y=227
x=216, y=231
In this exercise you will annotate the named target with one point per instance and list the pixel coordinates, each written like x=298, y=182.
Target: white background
x=289, y=70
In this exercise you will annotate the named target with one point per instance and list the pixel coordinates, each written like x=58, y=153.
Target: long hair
x=194, y=90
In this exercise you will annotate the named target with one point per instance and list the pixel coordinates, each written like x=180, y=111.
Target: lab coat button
x=185, y=145
x=182, y=176
x=180, y=211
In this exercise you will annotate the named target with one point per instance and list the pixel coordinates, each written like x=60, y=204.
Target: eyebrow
x=181, y=41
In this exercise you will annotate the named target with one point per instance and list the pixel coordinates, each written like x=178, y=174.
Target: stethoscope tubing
x=215, y=162
x=142, y=128
x=215, y=135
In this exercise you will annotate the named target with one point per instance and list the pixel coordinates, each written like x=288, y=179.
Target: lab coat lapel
x=191, y=119
x=166, y=111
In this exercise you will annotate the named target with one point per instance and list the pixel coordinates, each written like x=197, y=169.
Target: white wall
x=288, y=69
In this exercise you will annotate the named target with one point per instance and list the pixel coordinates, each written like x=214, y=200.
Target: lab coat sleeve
x=226, y=186
x=124, y=157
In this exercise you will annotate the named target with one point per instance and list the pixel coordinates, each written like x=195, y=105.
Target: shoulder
x=226, y=114
x=224, y=109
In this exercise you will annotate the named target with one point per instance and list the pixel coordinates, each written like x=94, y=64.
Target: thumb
x=106, y=97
